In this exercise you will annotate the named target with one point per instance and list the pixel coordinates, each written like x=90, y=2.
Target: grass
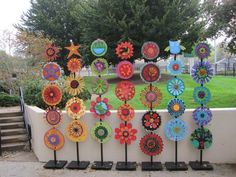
x=223, y=91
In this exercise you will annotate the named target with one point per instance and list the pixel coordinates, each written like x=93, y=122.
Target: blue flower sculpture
x=201, y=95
x=175, y=86
x=175, y=67
x=202, y=72
x=176, y=107
x=202, y=116
x=176, y=130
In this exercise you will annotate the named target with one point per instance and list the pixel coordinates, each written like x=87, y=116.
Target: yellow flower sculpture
x=75, y=108
x=74, y=85
x=76, y=131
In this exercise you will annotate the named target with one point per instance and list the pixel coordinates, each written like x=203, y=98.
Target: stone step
x=15, y=131
x=13, y=146
x=11, y=119
x=11, y=114
x=11, y=125
x=14, y=139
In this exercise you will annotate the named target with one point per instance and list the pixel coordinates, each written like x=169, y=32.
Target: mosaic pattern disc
x=125, y=112
x=150, y=50
x=175, y=86
x=51, y=71
x=125, y=133
x=76, y=131
x=125, y=90
x=54, y=139
x=175, y=67
x=150, y=73
x=151, y=120
x=99, y=66
x=99, y=48
x=176, y=107
x=52, y=94
x=201, y=138
x=202, y=72
x=75, y=108
x=125, y=70
x=53, y=116
x=151, y=96
x=202, y=116
x=101, y=132
x=201, y=95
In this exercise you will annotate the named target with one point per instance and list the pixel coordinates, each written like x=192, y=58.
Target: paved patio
x=25, y=164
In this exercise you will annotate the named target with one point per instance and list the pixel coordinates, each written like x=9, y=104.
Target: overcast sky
x=11, y=11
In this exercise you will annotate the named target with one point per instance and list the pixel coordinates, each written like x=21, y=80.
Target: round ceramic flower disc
x=202, y=72
x=100, y=108
x=125, y=90
x=176, y=129
x=74, y=65
x=176, y=107
x=175, y=86
x=101, y=132
x=75, y=108
x=125, y=134
x=51, y=52
x=202, y=50
x=74, y=85
x=99, y=48
x=150, y=73
x=125, y=112
x=175, y=67
x=54, y=139
x=201, y=95
x=125, y=50
x=201, y=138
x=151, y=144
x=125, y=70
x=52, y=94
x=51, y=71
x=150, y=50
x=202, y=116
x=53, y=116
x=76, y=131
x=151, y=96
x=99, y=86
x=99, y=66
x=151, y=120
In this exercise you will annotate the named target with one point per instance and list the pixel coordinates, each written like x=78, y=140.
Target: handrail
x=0, y=142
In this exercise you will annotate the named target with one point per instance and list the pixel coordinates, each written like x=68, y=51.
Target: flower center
x=176, y=107
x=177, y=130
x=125, y=134
x=74, y=84
x=201, y=94
x=51, y=94
x=151, y=143
x=50, y=52
x=202, y=72
x=125, y=112
x=175, y=67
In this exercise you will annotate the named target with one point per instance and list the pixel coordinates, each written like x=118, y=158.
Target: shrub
x=7, y=100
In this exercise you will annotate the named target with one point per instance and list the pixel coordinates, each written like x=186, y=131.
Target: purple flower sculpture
x=202, y=50
x=202, y=116
x=202, y=72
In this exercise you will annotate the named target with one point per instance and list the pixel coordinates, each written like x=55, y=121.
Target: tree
x=222, y=15
x=114, y=21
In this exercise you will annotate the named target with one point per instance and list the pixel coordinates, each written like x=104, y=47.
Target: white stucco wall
x=223, y=149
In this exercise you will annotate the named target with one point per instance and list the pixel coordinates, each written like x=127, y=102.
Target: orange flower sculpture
x=52, y=94
x=126, y=134
x=74, y=65
x=125, y=50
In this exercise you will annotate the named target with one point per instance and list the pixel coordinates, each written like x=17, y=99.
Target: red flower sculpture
x=100, y=108
x=125, y=90
x=125, y=133
x=51, y=52
x=52, y=94
x=125, y=50
x=125, y=70
x=125, y=112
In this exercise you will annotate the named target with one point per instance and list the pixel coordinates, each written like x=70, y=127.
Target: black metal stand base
x=75, y=165
x=154, y=166
x=52, y=165
x=172, y=166
x=126, y=166
x=196, y=165
x=98, y=165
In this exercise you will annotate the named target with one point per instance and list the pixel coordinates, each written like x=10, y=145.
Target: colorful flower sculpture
x=175, y=86
x=202, y=116
x=100, y=108
x=151, y=120
x=99, y=66
x=99, y=48
x=74, y=65
x=202, y=50
x=125, y=133
x=51, y=71
x=125, y=90
x=51, y=52
x=176, y=107
x=74, y=85
x=101, y=132
x=202, y=72
x=150, y=50
x=151, y=144
x=73, y=50
x=201, y=138
x=125, y=50
x=53, y=116
x=125, y=112
x=125, y=70
x=151, y=96
x=52, y=94
x=176, y=129
x=201, y=95
x=75, y=108
x=175, y=67
x=150, y=73
x=76, y=131
x=54, y=139
x=99, y=86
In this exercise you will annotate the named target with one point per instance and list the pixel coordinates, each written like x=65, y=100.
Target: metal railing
x=0, y=142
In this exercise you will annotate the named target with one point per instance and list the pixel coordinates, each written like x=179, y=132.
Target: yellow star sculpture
x=73, y=50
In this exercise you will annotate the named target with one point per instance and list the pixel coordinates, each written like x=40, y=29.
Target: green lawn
x=223, y=90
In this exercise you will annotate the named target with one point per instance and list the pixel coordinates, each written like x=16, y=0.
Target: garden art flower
x=125, y=50
x=125, y=134
x=175, y=86
x=100, y=108
x=202, y=72
x=74, y=85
